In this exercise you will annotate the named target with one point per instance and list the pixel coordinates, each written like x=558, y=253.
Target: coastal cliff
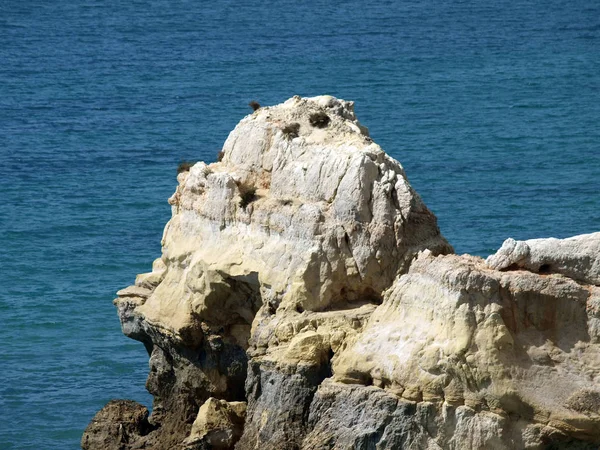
x=305, y=299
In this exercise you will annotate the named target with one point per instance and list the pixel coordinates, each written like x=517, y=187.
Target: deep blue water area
x=493, y=108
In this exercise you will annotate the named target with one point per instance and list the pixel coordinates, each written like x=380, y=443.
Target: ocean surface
x=493, y=108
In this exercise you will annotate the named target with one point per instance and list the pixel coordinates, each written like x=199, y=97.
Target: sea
x=493, y=109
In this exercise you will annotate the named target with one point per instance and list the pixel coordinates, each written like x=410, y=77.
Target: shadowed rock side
x=305, y=299
x=117, y=425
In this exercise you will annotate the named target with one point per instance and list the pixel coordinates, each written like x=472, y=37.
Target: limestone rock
x=278, y=252
x=352, y=416
x=516, y=344
x=304, y=220
x=219, y=425
x=576, y=257
x=290, y=360
x=305, y=299
x=344, y=416
x=116, y=426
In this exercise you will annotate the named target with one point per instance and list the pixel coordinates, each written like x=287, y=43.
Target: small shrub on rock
x=319, y=119
x=291, y=130
x=185, y=166
x=247, y=194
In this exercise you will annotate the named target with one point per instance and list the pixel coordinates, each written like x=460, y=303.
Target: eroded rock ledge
x=305, y=299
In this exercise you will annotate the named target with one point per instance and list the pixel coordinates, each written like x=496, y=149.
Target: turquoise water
x=493, y=109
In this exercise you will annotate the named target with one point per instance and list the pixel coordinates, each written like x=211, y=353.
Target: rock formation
x=577, y=257
x=305, y=299
x=118, y=424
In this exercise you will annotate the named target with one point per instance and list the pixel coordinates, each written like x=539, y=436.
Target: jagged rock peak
x=303, y=206
x=274, y=255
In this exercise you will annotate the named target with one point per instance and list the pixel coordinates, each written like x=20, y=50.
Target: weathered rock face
x=305, y=299
x=117, y=425
x=219, y=425
x=577, y=257
x=517, y=352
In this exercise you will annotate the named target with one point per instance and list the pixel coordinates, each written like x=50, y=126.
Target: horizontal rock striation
x=305, y=299
x=506, y=352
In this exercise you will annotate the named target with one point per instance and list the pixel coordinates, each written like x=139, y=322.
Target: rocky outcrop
x=508, y=352
x=306, y=299
x=116, y=426
x=219, y=425
x=577, y=257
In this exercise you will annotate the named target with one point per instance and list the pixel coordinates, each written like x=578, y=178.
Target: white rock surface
x=577, y=257
x=332, y=220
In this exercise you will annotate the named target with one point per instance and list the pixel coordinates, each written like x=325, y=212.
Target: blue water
x=492, y=107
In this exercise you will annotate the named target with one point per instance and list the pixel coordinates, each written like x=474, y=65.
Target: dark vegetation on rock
x=247, y=194
x=291, y=130
x=185, y=166
x=319, y=119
